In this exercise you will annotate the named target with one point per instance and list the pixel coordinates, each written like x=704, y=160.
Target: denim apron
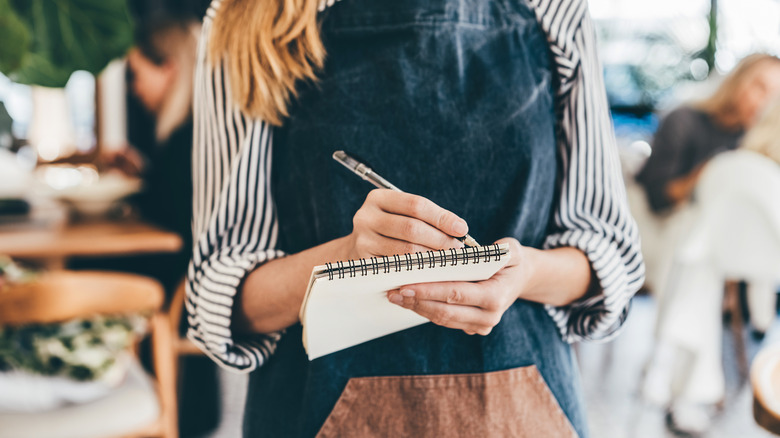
x=451, y=100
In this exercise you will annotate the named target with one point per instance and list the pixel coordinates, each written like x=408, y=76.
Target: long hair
x=172, y=41
x=267, y=46
x=721, y=105
x=764, y=137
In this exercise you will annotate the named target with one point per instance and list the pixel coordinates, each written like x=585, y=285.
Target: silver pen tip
x=345, y=160
x=468, y=241
x=339, y=155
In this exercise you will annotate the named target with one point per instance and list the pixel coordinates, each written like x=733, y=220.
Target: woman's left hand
x=474, y=307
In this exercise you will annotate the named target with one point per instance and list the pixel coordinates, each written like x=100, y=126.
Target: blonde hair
x=721, y=104
x=764, y=137
x=267, y=47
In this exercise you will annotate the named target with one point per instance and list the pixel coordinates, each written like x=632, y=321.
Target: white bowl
x=87, y=191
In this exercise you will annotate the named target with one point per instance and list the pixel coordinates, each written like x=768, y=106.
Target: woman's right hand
x=128, y=160
x=391, y=222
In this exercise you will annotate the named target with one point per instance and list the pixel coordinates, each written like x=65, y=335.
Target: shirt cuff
x=620, y=275
x=211, y=291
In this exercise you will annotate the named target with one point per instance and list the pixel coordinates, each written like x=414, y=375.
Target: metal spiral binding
x=409, y=262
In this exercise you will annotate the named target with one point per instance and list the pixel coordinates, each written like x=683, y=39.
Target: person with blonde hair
x=690, y=135
x=491, y=112
x=685, y=140
x=688, y=381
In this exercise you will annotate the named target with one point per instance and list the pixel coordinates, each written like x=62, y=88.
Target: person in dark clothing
x=161, y=64
x=160, y=67
x=692, y=134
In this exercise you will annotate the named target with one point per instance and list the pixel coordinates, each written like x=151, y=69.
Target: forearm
x=557, y=276
x=272, y=294
x=388, y=222
x=680, y=189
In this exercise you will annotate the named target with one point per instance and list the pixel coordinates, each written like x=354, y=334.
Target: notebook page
x=344, y=312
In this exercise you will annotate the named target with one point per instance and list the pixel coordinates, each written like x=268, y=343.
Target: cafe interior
x=96, y=136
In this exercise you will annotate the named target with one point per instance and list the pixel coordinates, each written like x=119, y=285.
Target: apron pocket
x=510, y=403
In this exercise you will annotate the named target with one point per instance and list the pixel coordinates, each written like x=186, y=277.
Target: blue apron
x=451, y=100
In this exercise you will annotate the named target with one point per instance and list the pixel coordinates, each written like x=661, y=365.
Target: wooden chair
x=63, y=295
x=182, y=345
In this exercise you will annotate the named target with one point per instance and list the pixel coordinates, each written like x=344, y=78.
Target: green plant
x=80, y=349
x=43, y=41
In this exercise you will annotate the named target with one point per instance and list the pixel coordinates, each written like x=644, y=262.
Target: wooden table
x=88, y=239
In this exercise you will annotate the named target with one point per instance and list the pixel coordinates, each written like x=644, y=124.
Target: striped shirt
x=235, y=227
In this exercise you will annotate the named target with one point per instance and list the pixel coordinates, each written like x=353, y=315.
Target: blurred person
x=161, y=66
x=690, y=135
x=686, y=372
x=686, y=138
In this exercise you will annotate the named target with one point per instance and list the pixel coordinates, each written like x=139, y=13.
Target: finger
x=516, y=250
x=385, y=246
x=421, y=208
x=479, y=294
x=466, y=318
x=415, y=231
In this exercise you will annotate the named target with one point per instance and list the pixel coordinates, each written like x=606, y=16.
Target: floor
x=611, y=374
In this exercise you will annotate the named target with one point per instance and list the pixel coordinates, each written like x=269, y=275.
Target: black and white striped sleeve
x=234, y=223
x=592, y=212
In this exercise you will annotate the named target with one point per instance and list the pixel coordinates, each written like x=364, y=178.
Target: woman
x=686, y=138
x=686, y=372
x=690, y=135
x=161, y=65
x=458, y=103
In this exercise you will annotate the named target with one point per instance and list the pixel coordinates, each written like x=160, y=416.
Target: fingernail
x=396, y=299
x=407, y=293
x=460, y=227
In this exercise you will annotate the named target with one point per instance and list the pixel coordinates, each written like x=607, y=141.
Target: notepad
x=346, y=302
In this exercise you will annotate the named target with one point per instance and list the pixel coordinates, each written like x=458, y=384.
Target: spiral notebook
x=346, y=302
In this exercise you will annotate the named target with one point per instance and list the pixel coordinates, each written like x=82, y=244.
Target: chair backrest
x=63, y=295
x=738, y=224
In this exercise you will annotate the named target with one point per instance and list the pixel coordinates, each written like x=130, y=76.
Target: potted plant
x=45, y=41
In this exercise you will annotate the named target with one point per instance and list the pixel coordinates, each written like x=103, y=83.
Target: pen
x=369, y=175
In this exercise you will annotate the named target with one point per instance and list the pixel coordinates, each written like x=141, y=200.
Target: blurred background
x=95, y=138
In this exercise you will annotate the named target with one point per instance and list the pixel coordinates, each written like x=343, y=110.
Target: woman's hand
x=474, y=307
x=388, y=223
x=128, y=160
x=680, y=189
x=556, y=276
x=392, y=222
